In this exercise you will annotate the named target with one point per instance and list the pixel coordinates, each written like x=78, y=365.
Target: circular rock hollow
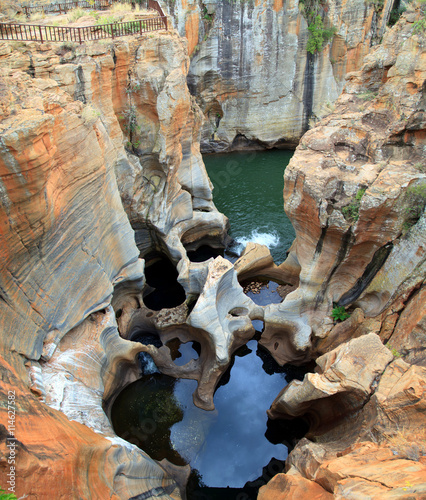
x=231, y=450
x=164, y=290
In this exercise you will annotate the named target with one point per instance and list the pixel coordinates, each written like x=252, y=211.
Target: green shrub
x=208, y=17
x=339, y=313
x=395, y=15
x=318, y=35
x=419, y=27
x=7, y=496
x=377, y=4
x=351, y=211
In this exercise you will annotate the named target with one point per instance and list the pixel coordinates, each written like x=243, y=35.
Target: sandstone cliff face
x=102, y=140
x=350, y=190
x=356, y=193
x=88, y=134
x=251, y=73
x=139, y=90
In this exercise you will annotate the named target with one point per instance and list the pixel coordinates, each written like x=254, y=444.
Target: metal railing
x=153, y=4
x=39, y=33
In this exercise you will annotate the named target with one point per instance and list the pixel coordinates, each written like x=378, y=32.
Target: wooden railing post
x=41, y=35
x=79, y=35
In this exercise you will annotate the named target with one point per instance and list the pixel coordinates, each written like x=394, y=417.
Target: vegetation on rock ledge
x=351, y=211
x=318, y=35
x=339, y=313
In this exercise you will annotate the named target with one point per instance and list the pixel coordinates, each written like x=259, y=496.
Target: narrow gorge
x=130, y=303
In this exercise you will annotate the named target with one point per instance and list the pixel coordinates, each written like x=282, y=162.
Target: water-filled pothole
x=262, y=292
x=203, y=253
x=166, y=291
x=232, y=448
x=248, y=188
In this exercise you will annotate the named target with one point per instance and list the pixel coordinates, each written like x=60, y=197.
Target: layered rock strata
x=367, y=415
x=70, y=195
x=356, y=193
x=139, y=90
x=83, y=141
x=250, y=71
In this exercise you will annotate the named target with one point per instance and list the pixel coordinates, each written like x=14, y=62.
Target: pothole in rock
x=248, y=188
x=161, y=276
x=232, y=450
x=182, y=353
x=262, y=292
x=203, y=253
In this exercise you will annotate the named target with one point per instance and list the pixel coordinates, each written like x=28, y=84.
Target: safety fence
x=153, y=4
x=38, y=33
x=42, y=33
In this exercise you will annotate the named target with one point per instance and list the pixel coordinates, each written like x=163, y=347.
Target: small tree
x=318, y=35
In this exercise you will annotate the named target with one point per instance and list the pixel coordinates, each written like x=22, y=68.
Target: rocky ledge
x=355, y=191
x=100, y=167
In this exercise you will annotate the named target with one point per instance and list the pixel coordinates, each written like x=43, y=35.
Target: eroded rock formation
x=356, y=193
x=251, y=73
x=368, y=422
x=100, y=164
x=78, y=150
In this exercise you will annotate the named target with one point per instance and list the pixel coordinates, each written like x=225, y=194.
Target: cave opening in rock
x=233, y=449
x=161, y=275
x=203, y=253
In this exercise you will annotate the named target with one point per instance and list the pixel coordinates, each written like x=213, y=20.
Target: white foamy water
x=271, y=240
x=147, y=364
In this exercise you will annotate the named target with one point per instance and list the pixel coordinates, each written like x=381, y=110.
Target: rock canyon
x=102, y=186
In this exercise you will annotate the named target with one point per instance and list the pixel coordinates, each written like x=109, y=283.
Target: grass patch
x=90, y=115
x=368, y=95
x=394, y=352
x=37, y=16
x=75, y=14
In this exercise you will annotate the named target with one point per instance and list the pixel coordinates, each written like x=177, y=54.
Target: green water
x=248, y=189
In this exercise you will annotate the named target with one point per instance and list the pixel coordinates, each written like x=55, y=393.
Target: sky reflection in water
x=228, y=446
